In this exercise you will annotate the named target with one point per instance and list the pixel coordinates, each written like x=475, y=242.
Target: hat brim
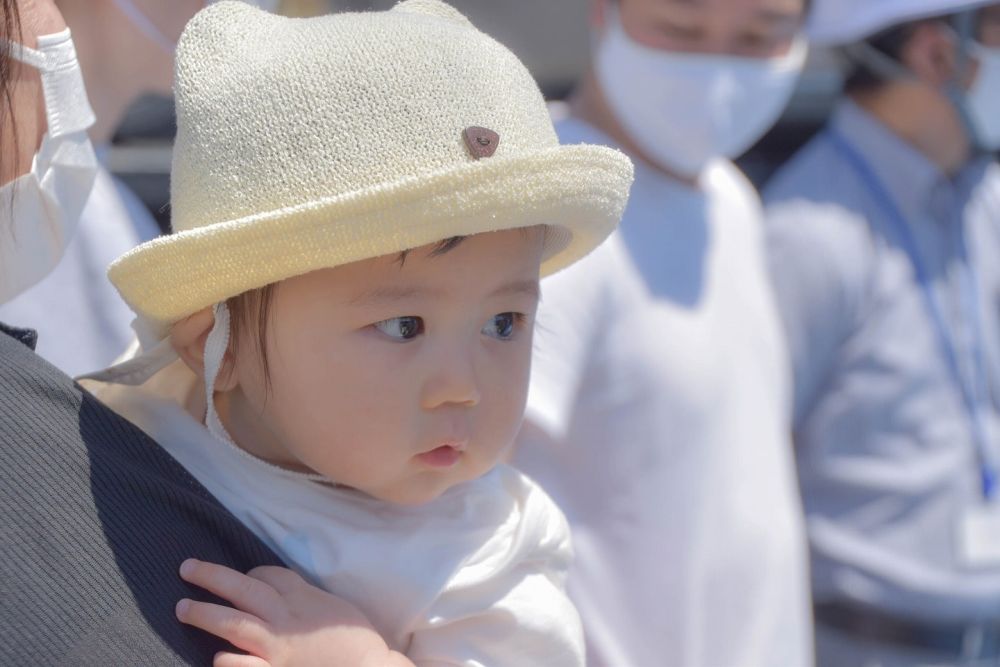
x=578, y=191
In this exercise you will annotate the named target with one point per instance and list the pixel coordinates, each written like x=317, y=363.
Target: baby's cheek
x=519, y=378
x=505, y=412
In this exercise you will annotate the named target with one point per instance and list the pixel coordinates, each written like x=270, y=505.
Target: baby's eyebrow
x=519, y=287
x=393, y=293
x=388, y=294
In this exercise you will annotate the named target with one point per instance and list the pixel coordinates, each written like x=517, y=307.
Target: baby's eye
x=502, y=326
x=401, y=328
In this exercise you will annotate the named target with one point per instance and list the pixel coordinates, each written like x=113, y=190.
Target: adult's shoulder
x=96, y=520
x=812, y=206
x=822, y=257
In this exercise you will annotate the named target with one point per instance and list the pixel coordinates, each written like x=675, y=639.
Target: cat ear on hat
x=270, y=6
x=434, y=8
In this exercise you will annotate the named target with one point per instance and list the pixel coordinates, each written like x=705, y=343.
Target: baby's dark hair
x=249, y=315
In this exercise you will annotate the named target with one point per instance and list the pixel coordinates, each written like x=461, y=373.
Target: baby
x=336, y=337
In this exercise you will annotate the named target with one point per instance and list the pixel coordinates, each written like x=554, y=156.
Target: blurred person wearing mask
x=884, y=242
x=126, y=50
x=659, y=410
x=94, y=517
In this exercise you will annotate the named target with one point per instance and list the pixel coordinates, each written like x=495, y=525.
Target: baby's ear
x=188, y=339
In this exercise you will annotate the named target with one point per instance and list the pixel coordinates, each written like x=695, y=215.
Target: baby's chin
x=414, y=496
x=421, y=488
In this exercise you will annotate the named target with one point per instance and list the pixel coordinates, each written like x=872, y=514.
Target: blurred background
x=551, y=37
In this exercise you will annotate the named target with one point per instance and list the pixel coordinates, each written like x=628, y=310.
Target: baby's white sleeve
x=507, y=606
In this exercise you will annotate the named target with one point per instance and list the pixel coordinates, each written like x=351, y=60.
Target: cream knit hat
x=309, y=143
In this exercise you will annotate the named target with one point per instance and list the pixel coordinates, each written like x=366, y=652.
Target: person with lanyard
x=884, y=242
x=659, y=404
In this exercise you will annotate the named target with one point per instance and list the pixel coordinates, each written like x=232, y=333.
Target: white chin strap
x=215, y=351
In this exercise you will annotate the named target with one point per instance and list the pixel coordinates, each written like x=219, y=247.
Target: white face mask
x=39, y=210
x=684, y=109
x=983, y=99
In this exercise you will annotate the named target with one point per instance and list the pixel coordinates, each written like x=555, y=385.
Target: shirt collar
x=909, y=177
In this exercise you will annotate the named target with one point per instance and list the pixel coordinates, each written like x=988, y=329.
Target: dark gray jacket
x=95, y=519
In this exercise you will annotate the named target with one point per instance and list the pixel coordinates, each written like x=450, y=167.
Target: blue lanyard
x=969, y=304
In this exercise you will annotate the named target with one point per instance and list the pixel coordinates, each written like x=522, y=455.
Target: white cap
x=833, y=22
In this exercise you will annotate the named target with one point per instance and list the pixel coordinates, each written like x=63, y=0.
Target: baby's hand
x=281, y=620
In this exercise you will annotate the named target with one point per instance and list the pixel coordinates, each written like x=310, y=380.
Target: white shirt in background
x=659, y=421
x=82, y=322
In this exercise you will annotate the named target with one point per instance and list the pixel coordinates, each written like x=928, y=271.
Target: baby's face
x=398, y=378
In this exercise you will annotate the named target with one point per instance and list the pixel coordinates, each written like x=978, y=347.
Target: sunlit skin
x=399, y=378
x=743, y=28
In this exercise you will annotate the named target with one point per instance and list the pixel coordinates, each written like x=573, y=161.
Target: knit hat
x=309, y=143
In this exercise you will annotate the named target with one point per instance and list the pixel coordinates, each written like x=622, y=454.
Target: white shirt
x=659, y=423
x=81, y=321
x=473, y=578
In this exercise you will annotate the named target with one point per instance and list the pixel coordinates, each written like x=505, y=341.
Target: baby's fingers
x=246, y=593
x=239, y=628
x=238, y=660
x=284, y=581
